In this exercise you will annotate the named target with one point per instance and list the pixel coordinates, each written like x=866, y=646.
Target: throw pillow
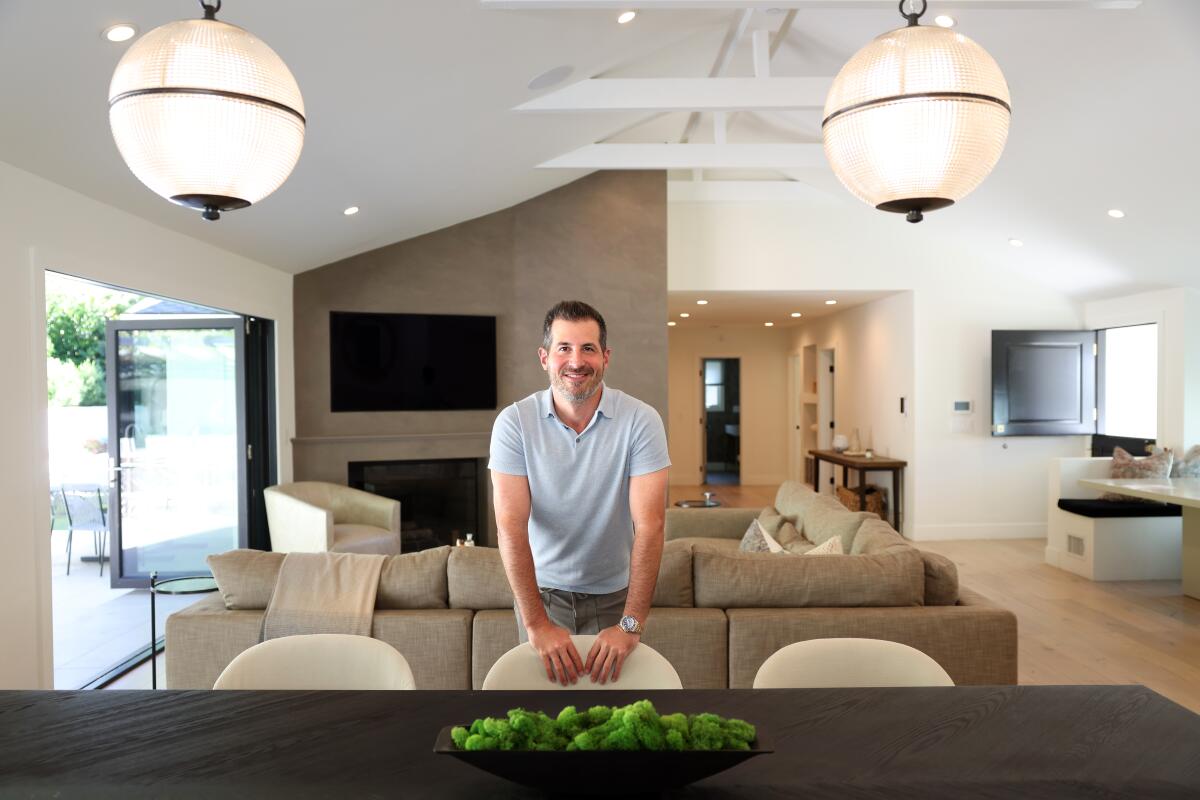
x=830, y=547
x=755, y=539
x=245, y=578
x=1189, y=465
x=1126, y=466
x=788, y=535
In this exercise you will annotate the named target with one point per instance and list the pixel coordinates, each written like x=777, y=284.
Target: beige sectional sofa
x=718, y=613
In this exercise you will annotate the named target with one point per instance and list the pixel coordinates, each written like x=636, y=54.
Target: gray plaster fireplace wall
x=601, y=239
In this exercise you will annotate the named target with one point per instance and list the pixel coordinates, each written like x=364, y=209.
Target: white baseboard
x=979, y=530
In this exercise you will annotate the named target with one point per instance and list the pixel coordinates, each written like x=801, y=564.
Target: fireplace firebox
x=441, y=500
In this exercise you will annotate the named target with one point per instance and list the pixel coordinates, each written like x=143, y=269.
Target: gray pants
x=578, y=612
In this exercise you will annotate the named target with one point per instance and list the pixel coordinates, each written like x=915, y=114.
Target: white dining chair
x=522, y=668
x=318, y=661
x=834, y=663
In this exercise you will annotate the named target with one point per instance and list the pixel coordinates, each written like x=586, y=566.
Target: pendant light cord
x=911, y=16
x=210, y=10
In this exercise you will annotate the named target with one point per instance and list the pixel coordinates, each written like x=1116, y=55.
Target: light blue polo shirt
x=580, y=525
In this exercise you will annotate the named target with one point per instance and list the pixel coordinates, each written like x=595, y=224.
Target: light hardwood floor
x=1070, y=630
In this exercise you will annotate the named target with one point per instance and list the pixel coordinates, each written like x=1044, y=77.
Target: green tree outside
x=75, y=346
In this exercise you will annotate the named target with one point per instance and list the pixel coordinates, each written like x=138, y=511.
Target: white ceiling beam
x=761, y=40
x=735, y=31
x=645, y=5
x=683, y=94
x=691, y=156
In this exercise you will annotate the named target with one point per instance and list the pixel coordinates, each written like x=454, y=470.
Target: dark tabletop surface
x=954, y=742
x=858, y=462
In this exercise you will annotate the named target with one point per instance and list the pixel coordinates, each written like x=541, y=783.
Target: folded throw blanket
x=323, y=593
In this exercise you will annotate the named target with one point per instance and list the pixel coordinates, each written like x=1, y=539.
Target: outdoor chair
x=839, y=663
x=318, y=661
x=85, y=512
x=521, y=668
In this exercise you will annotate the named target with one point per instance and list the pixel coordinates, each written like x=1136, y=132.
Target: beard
x=577, y=391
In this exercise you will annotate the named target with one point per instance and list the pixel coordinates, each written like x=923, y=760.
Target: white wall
x=763, y=374
x=1177, y=313
x=873, y=343
x=44, y=226
x=963, y=482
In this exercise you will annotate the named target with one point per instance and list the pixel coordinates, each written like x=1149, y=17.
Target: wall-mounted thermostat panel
x=963, y=407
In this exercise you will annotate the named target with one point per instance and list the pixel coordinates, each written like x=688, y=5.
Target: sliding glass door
x=177, y=445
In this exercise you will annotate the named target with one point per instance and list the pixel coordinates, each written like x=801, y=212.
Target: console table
x=863, y=465
x=1177, y=491
x=955, y=742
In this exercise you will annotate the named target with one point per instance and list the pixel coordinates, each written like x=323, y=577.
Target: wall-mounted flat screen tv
x=411, y=362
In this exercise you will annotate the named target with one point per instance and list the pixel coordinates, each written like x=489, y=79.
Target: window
x=714, y=385
x=1127, y=379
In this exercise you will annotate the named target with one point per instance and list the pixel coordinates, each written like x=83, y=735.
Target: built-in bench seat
x=1108, y=540
x=1109, y=509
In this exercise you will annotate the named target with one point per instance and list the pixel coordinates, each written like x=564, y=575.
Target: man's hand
x=554, y=645
x=609, y=652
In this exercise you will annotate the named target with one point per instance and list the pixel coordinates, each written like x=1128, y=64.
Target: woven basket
x=849, y=498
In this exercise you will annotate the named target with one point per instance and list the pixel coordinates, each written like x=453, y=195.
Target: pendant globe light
x=916, y=119
x=206, y=114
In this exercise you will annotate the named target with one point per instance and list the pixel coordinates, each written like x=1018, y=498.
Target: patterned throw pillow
x=1189, y=465
x=830, y=547
x=755, y=539
x=1126, y=466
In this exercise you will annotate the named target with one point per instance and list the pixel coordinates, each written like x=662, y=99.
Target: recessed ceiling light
x=351, y=211
x=769, y=324
x=1016, y=242
x=121, y=32
x=796, y=314
x=1116, y=213
x=550, y=77
x=944, y=21
x=701, y=302
x=626, y=17
x=671, y=324
x=685, y=315
x=831, y=302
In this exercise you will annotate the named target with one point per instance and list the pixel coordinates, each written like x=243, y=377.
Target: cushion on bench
x=1104, y=509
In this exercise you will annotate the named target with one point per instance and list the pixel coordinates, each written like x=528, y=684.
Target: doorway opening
x=721, y=391
x=148, y=458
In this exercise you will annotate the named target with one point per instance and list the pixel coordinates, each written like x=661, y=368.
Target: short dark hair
x=573, y=311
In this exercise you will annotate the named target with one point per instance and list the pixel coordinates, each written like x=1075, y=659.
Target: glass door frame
x=155, y=323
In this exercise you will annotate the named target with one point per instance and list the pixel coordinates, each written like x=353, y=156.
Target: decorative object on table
x=854, y=448
x=868, y=453
x=840, y=443
x=206, y=115
x=1189, y=465
x=1126, y=467
x=874, y=499
x=917, y=118
x=664, y=752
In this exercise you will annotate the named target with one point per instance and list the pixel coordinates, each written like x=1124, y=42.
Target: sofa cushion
x=825, y=517
x=755, y=580
x=713, y=523
x=876, y=536
x=476, y=579
x=674, y=587
x=941, y=576
x=793, y=499
x=414, y=580
x=436, y=643
x=245, y=578
x=1126, y=507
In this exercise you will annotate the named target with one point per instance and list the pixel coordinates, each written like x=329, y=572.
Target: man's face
x=575, y=362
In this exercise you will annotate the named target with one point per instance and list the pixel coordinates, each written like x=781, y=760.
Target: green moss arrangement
x=637, y=726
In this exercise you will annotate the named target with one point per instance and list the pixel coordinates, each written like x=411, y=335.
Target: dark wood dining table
x=951, y=742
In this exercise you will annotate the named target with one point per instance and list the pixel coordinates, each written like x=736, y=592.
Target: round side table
x=192, y=584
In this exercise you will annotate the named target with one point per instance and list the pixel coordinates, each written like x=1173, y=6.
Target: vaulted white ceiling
x=410, y=117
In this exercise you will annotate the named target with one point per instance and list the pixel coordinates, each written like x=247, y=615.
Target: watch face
x=628, y=624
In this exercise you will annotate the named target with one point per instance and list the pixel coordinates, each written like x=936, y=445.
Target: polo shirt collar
x=607, y=402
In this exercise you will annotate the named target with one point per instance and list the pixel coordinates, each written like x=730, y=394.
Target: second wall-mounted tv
x=411, y=362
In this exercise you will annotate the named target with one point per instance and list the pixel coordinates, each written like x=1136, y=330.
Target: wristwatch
x=630, y=624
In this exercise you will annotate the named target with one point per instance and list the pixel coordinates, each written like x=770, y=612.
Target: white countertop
x=1180, y=491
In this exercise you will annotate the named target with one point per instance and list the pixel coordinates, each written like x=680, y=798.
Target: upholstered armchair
x=314, y=517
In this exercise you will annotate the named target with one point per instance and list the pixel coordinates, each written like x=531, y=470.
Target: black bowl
x=655, y=770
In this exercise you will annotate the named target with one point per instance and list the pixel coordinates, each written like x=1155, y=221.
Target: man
x=579, y=474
